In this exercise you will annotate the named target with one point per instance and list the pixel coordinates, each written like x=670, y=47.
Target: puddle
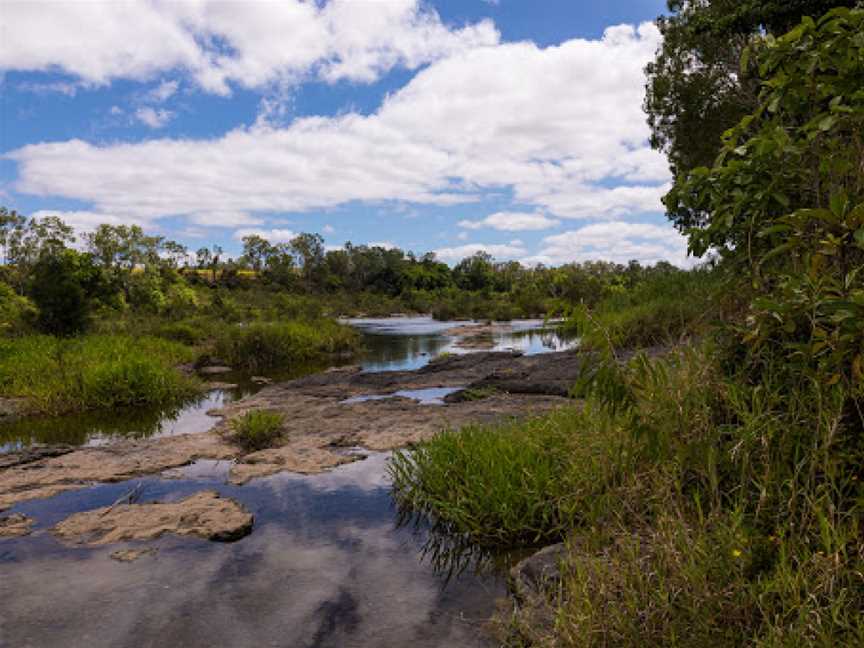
x=325, y=566
x=429, y=396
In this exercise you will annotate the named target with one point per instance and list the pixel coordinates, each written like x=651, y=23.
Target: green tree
x=785, y=200
x=697, y=87
x=64, y=286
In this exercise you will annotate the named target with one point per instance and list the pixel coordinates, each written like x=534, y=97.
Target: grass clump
x=257, y=429
x=271, y=345
x=512, y=484
x=57, y=375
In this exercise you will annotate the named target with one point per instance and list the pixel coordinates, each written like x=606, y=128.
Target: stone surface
x=123, y=460
x=205, y=515
x=538, y=573
x=130, y=555
x=15, y=525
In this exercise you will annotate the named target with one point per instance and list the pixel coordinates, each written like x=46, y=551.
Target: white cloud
x=272, y=235
x=615, y=241
x=152, y=117
x=250, y=44
x=560, y=127
x=56, y=87
x=498, y=251
x=328, y=229
x=163, y=91
x=86, y=221
x=462, y=236
x=511, y=222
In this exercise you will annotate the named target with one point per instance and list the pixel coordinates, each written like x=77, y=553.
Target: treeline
x=49, y=281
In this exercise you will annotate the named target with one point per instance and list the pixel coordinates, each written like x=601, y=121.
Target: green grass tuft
x=257, y=429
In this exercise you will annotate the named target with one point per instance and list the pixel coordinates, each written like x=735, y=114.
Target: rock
x=214, y=370
x=128, y=555
x=116, y=462
x=33, y=453
x=15, y=525
x=205, y=515
x=261, y=380
x=538, y=574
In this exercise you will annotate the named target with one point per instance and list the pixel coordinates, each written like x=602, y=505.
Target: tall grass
x=700, y=509
x=272, y=345
x=92, y=372
x=661, y=310
x=517, y=483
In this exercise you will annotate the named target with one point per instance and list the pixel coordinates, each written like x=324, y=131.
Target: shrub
x=257, y=429
x=16, y=312
x=270, y=345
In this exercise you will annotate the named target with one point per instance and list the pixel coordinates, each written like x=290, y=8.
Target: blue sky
x=513, y=126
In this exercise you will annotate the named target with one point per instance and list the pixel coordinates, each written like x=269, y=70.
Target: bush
x=271, y=345
x=63, y=286
x=257, y=429
x=16, y=312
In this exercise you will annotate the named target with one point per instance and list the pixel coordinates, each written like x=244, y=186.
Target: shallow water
x=324, y=566
x=327, y=564
x=407, y=343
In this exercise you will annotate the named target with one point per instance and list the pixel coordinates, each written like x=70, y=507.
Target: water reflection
x=325, y=566
x=407, y=343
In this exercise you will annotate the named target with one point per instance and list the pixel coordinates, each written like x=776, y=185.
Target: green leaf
x=826, y=123
x=859, y=237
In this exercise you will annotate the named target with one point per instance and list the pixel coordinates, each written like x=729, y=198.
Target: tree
x=10, y=220
x=63, y=287
x=309, y=256
x=256, y=249
x=785, y=199
x=697, y=87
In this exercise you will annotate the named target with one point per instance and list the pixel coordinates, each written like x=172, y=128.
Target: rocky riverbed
x=324, y=414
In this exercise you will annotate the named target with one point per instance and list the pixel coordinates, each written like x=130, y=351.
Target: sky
x=513, y=127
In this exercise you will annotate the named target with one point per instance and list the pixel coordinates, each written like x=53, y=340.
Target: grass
x=516, y=483
x=93, y=372
x=257, y=429
x=271, y=345
x=660, y=311
x=699, y=509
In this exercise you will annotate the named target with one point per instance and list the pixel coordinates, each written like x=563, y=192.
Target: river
x=327, y=563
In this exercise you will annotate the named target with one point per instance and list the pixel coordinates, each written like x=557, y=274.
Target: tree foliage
x=696, y=88
x=785, y=200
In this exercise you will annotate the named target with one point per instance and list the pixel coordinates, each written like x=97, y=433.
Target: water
x=327, y=564
x=407, y=343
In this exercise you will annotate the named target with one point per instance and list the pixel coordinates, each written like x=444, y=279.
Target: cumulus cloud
x=499, y=251
x=560, y=127
x=87, y=221
x=220, y=43
x=511, y=222
x=273, y=235
x=615, y=241
x=152, y=117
